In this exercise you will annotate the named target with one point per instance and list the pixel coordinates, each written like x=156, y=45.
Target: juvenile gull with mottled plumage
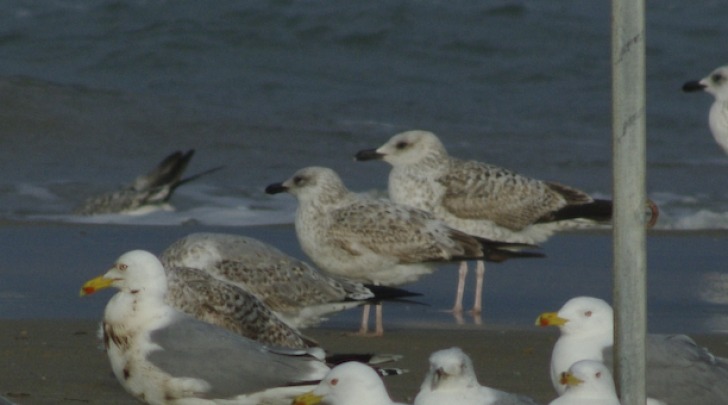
x=376, y=241
x=199, y=294
x=296, y=292
x=478, y=198
x=163, y=356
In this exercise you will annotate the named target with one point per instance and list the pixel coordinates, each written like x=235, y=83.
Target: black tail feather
x=196, y=176
x=384, y=293
x=366, y=358
x=597, y=210
x=169, y=170
x=370, y=359
x=497, y=251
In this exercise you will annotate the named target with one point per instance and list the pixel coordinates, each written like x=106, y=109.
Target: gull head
x=406, y=148
x=310, y=183
x=581, y=316
x=347, y=383
x=450, y=369
x=716, y=83
x=133, y=272
x=590, y=377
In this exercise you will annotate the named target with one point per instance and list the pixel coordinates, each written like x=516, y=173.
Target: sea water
x=93, y=94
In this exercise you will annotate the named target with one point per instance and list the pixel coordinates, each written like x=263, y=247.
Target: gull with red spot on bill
x=679, y=372
x=588, y=382
x=163, y=356
x=349, y=383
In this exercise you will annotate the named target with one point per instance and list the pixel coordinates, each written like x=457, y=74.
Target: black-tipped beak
x=368, y=154
x=692, y=86
x=276, y=188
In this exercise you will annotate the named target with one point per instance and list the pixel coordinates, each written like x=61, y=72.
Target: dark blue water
x=94, y=93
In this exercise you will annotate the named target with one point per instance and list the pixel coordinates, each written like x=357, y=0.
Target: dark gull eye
x=588, y=313
x=297, y=180
x=716, y=78
x=334, y=381
x=401, y=145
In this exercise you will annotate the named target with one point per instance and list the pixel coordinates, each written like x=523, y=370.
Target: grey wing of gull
x=405, y=233
x=476, y=190
x=681, y=372
x=284, y=283
x=230, y=364
x=198, y=294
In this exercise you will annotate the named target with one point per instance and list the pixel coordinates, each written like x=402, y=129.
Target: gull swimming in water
x=451, y=380
x=376, y=241
x=480, y=199
x=163, y=356
x=716, y=83
x=678, y=371
x=588, y=382
x=148, y=192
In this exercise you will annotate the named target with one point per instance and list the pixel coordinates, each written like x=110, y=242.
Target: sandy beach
x=50, y=353
x=59, y=361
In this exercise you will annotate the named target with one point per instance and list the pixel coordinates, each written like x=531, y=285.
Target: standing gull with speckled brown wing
x=377, y=241
x=482, y=199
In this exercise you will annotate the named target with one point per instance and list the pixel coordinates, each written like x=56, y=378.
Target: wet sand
x=59, y=361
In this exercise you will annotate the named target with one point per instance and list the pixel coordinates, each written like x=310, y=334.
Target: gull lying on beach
x=148, y=192
x=678, y=371
x=296, y=292
x=587, y=382
x=452, y=380
x=163, y=356
x=478, y=198
x=716, y=83
x=199, y=294
x=349, y=383
x=376, y=241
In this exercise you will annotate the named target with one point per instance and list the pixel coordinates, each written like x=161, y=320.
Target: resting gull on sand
x=199, y=294
x=588, y=382
x=678, y=371
x=716, y=83
x=349, y=383
x=296, y=292
x=148, y=192
x=481, y=199
x=376, y=241
x=163, y=356
x=451, y=380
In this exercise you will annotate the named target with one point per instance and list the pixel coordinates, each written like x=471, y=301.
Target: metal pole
x=628, y=131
